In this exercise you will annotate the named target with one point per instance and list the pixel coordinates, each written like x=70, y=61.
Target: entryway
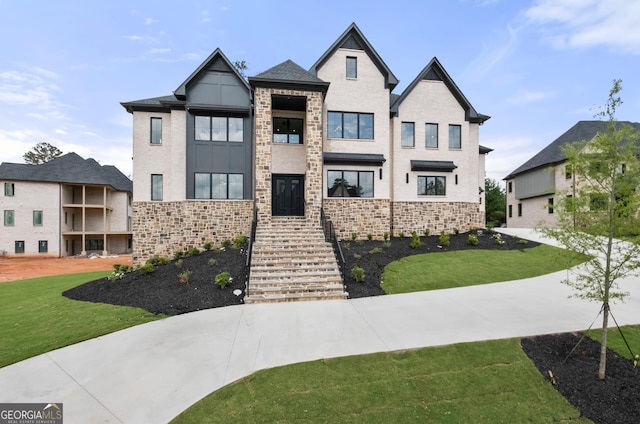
x=287, y=195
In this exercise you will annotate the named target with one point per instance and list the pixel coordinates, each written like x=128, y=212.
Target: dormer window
x=352, y=67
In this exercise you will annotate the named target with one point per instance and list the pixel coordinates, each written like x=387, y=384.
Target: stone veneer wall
x=436, y=216
x=358, y=215
x=162, y=228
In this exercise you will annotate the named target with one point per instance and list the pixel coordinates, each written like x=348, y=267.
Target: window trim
x=151, y=133
x=9, y=189
x=403, y=125
x=211, y=174
x=154, y=182
x=358, y=171
x=426, y=183
x=359, y=114
x=288, y=133
x=354, y=60
x=550, y=206
x=519, y=209
x=459, y=127
x=9, y=217
x=43, y=246
x=510, y=211
x=228, y=132
x=15, y=246
x=426, y=134
x=38, y=222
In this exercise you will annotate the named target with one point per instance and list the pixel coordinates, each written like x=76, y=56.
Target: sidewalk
x=152, y=372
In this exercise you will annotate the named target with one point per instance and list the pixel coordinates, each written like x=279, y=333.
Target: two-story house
x=533, y=186
x=295, y=142
x=64, y=207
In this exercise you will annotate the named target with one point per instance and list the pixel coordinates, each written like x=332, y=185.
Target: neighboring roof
x=435, y=71
x=552, y=154
x=289, y=74
x=154, y=104
x=70, y=169
x=433, y=165
x=484, y=150
x=332, y=158
x=353, y=38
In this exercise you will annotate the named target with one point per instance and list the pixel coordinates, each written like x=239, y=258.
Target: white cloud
x=150, y=21
x=159, y=51
x=205, y=16
x=134, y=37
x=494, y=51
x=32, y=88
x=510, y=151
x=589, y=23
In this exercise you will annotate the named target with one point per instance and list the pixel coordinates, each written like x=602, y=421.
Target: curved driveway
x=152, y=372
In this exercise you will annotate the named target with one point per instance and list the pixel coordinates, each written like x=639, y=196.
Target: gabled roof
x=353, y=38
x=289, y=74
x=553, y=154
x=181, y=91
x=434, y=71
x=154, y=104
x=70, y=169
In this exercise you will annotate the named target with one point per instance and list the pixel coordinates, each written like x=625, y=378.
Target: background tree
x=41, y=153
x=495, y=203
x=241, y=66
x=605, y=206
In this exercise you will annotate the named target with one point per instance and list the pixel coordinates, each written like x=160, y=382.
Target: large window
x=19, y=246
x=432, y=186
x=407, y=133
x=352, y=125
x=431, y=136
x=9, y=189
x=94, y=244
x=455, y=140
x=9, y=217
x=287, y=130
x=219, y=186
x=219, y=128
x=156, y=130
x=156, y=186
x=43, y=246
x=37, y=218
x=350, y=183
x=352, y=67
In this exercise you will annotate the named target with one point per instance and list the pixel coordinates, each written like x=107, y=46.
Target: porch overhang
x=367, y=159
x=433, y=165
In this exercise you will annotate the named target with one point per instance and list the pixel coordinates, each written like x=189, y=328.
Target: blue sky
x=536, y=67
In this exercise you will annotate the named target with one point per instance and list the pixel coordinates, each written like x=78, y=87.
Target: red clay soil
x=19, y=268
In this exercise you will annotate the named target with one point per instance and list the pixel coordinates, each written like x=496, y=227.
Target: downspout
x=60, y=220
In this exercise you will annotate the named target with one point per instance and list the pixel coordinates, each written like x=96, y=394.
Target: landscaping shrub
x=385, y=236
x=208, y=246
x=223, y=279
x=178, y=254
x=212, y=262
x=415, y=240
x=456, y=231
x=375, y=250
x=227, y=243
x=444, y=239
x=153, y=260
x=357, y=255
x=426, y=232
x=401, y=234
x=472, y=240
x=369, y=236
x=118, y=272
x=354, y=236
x=146, y=268
x=193, y=251
x=184, y=276
x=358, y=274
x=163, y=260
x=239, y=241
x=178, y=263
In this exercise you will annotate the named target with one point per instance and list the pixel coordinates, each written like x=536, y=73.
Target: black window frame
x=18, y=246
x=550, y=205
x=407, y=124
x=510, y=187
x=351, y=72
x=9, y=189
x=155, y=198
x=358, y=136
x=94, y=244
x=43, y=246
x=288, y=129
x=349, y=188
x=155, y=137
x=210, y=175
x=459, y=127
x=510, y=211
x=435, y=178
x=210, y=118
x=519, y=209
x=426, y=135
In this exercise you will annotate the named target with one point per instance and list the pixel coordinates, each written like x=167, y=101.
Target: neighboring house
x=532, y=188
x=67, y=206
x=293, y=142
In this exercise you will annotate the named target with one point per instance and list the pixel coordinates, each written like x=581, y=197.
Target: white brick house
x=291, y=141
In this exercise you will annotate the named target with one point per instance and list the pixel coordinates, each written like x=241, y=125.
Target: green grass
x=473, y=267
x=36, y=318
x=484, y=382
x=615, y=340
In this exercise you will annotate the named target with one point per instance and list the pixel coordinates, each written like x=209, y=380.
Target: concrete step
x=293, y=297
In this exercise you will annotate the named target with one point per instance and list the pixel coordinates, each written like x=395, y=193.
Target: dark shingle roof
x=70, y=169
x=552, y=154
x=152, y=104
x=288, y=71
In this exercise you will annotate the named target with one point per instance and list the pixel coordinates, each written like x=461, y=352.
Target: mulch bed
x=614, y=400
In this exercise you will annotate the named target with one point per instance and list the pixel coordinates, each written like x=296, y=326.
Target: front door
x=287, y=195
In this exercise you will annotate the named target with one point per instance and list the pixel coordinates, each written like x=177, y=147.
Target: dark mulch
x=611, y=401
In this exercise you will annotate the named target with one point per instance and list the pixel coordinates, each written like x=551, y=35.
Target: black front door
x=288, y=195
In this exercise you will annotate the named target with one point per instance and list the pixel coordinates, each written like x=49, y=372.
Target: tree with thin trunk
x=600, y=211
x=41, y=153
x=495, y=202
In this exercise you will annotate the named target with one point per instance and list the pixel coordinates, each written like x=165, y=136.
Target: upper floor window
x=37, y=218
x=219, y=128
x=407, y=133
x=568, y=172
x=432, y=186
x=519, y=209
x=455, y=137
x=9, y=189
x=9, y=218
x=156, y=131
x=510, y=186
x=550, y=205
x=218, y=186
x=431, y=136
x=288, y=130
x=156, y=186
x=350, y=183
x=352, y=67
x=350, y=125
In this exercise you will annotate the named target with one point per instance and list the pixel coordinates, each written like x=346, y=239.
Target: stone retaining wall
x=360, y=216
x=162, y=228
x=436, y=216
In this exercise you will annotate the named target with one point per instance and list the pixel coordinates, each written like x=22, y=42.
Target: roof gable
x=289, y=74
x=353, y=38
x=434, y=71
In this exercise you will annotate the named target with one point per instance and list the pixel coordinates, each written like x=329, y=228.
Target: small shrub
x=163, y=260
x=208, y=246
x=387, y=243
x=212, y=262
x=122, y=268
x=523, y=241
x=456, y=231
x=426, y=232
x=178, y=263
x=239, y=241
x=498, y=238
x=223, y=279
x=354, y=236
x=385, y=236
x=153, y=260
x=346, y=245
x=375, y=250
x=415, y=241
x=227, y=243
x=193, y=251
x=146, y=268
x=401, y=234
x=184, y=276
x=178, y=254
x=369, y=236
x=357, y=256
x=358, y=274
x=472, y=240
x=444, y=240
x=118, y=272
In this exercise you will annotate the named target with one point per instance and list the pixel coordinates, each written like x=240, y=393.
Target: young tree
x=495, y=202
x=41, y=153
x=604, y=206
x=242, y=67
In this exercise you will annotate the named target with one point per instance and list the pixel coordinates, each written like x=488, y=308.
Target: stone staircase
x=291, y=262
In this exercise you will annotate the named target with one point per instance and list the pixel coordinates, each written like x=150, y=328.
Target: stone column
x=263, y=153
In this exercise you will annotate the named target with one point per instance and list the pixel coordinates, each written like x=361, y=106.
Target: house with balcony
x=64, y=207
x=532, y=187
